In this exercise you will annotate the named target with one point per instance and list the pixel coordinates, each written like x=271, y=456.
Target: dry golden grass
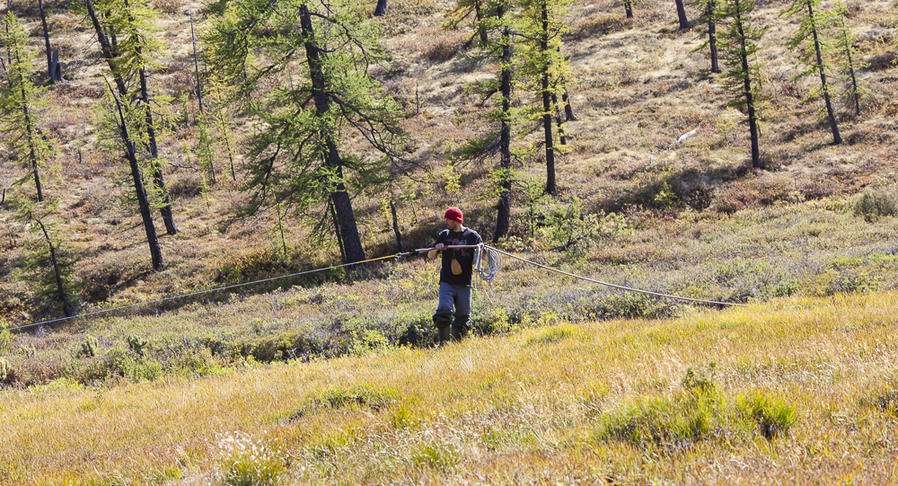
x=527, y=408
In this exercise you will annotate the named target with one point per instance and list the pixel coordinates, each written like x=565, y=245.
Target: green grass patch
x=554, y=335
x=363, y=396
x=701, y=411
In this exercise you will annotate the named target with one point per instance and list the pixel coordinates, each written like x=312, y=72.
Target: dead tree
x=54, y=70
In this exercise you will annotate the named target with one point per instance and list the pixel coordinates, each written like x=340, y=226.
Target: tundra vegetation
x=292, y=135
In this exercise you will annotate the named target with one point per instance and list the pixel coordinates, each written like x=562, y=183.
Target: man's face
x=452, y=224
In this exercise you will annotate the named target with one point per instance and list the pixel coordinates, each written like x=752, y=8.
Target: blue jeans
x=457, y=297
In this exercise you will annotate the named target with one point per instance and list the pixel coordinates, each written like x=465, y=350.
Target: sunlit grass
x=805, y=376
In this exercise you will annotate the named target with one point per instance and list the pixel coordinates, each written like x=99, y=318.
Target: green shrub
x=874, y=204
x=284, y=346
x=697, y=413
x=5, y=337
x=368, y=340
x=494, y=320
x=361, y=396
x=625, y=306
x=568, y=227
x=136, y=344
x=6, y=373
x=116, y=363
x=773, y=416
x=403, y=417
x=88, y=348
x=440, y=456
x=670, y=423
x=701, y=380
x=194, y=361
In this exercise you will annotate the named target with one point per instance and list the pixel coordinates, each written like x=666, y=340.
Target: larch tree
x=628, y=8
x=738, y=40
x=811, y=47
x=464, y=9
x=543, y=68
x=501, y=50
x=204, y=152
x=122, y=28
x=122, y=115
x=681, y=15
x=497, y=21
x=19, y=98
x=219, y=93
x=48, y=265
x=324, y=126
x=849, y=60
x=709, y=21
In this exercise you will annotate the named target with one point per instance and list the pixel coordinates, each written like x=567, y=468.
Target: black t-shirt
x=465, y=256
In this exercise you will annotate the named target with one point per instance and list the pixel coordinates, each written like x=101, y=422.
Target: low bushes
x=875, y=204
x=700, y=411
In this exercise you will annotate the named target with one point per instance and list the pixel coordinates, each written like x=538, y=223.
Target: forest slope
x=636, y=88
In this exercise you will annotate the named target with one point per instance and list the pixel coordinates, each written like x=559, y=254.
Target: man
x=455, y=277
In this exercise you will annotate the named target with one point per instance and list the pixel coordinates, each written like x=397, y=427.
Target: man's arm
x=437, y=247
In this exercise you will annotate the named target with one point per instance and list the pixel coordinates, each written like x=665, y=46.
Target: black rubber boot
x=442, y=321
x=460, y=327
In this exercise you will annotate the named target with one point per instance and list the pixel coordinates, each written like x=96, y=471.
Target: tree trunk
x=381, y=9
x=199, y=98
x=277, y=209
x=628, y=6
x=32, y=152
x=833, y=124
x=142, y=200
x=196, y=70
x=562, y=139
x=681, y=15
x=108, y=50
x=67, y=307
x=712, y=36
x=54, y=71
x=230, y=157
x=568, y=112
x=749, y=97
x=547, y=109
x=29, y=135
x=339, y=196
x=478, y=16
x=855, y=94
x=330, y=206
x=158, y=179
x=504, y=211
x=396, y=227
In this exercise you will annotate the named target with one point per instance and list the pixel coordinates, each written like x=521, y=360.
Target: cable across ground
x=486, y=262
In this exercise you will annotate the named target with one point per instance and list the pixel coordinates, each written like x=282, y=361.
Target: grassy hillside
x=795, y=391
x=637, y=88
x=566, y=381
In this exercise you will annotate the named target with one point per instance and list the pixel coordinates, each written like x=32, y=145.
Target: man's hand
x=436, y=248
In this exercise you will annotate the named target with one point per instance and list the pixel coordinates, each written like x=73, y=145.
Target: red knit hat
x=454, y=214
